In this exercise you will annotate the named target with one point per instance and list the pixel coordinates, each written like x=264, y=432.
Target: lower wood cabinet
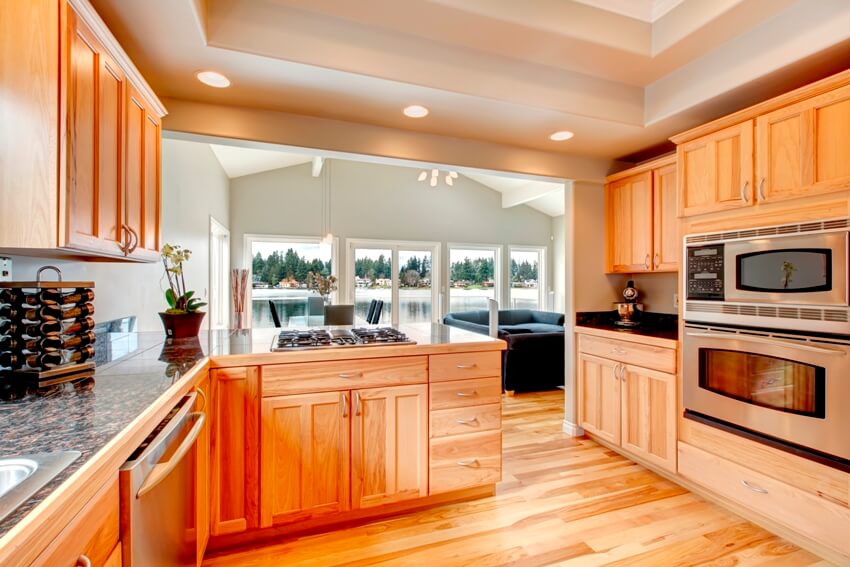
x=91, y=537
x=389, y=460
x=235, y=447
x=465, y=461
x=305, y=466
x=202, y=469
x=629, y=406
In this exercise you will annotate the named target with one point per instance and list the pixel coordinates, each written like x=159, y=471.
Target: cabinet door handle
x=83, y=561
x=357, y=403
x=657, y=259
x=344, y=405
x=135, y=241
x=761, y=189
x=466, y=394
x=755, y=488
x=469, y=463
x=467, y=421
x=466, y=366
x=744, y=197
x=646, y=261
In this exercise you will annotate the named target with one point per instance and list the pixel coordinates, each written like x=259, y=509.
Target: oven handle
x=162, y=470
x=768, y=341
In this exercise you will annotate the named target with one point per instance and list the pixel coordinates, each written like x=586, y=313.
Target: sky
x=310, y=251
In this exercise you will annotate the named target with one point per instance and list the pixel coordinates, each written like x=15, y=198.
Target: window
x=527, y=278
x=279, y=266
x=474, y=275
x=401, y=274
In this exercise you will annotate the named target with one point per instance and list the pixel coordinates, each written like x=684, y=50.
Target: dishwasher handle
x=161, y=471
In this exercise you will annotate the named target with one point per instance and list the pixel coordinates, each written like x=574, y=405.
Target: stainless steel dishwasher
x=158, y=492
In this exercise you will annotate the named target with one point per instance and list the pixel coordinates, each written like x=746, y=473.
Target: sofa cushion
x=542, y=328
x=514, y=316
x=479, y=317
x=516, y=329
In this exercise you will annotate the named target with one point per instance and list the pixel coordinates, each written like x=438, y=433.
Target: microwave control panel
x=705, y=272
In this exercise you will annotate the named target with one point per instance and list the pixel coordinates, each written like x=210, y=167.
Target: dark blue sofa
x=534, y=358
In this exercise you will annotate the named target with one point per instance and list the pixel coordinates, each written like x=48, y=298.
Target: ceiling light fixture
x=416, y=111
x=561, y=135
x=213, y=79
x=433, y=177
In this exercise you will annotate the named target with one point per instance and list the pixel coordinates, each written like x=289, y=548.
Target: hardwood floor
x=563, y=501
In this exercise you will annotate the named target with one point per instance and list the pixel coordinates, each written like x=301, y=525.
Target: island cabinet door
x=305, y=465
x=389, y=445
x=202, y=470
x=235, y=449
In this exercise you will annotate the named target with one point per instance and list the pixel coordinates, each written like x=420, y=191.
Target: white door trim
x=219, y=276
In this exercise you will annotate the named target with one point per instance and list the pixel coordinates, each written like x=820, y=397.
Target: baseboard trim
x=572, y=429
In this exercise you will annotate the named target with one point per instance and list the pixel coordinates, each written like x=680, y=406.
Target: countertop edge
x=621, y=336
x=28, y=538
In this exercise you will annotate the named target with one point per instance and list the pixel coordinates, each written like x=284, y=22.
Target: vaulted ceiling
x=622, y=74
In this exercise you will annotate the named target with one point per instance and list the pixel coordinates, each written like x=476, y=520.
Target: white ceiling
x=624, y=75
x=237, y=161
x=544, y=196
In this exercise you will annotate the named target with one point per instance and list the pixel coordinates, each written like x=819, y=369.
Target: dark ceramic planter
x=182, y=326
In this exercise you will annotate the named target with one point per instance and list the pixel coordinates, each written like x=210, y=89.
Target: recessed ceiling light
x=561, y=135
x=415, y=111
x=213, y=79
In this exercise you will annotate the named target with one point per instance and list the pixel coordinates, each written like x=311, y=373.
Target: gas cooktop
x=296, y=339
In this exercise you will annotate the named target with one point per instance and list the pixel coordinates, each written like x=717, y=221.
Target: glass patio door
x=401, y=274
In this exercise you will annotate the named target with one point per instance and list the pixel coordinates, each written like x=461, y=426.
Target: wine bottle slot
x=79, y=325
x=33, y=330
x=43, y=360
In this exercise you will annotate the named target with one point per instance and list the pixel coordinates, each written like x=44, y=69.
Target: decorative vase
x=238, y=320
x=181, y=326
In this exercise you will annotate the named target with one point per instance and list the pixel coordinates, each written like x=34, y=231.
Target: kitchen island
x=250, y=392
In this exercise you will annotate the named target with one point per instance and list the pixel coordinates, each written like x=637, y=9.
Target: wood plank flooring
x=563, y=501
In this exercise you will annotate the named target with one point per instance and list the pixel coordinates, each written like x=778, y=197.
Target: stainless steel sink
x=22, y=476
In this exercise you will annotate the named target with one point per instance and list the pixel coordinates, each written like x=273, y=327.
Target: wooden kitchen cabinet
x=81, y=162
x=804, y=148
x=389, y=447
x=599, y=397
x=649, y=415
x=306, y=455
x=235, y=448
x=628, y=405
x=630, y=223
x=716, y=171
x=641, y=221
x=202, y=468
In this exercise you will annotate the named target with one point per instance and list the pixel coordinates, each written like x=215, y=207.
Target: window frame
x=542, y=287
x=498, y=274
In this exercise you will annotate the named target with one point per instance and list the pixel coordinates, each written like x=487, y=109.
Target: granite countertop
x=658, y=325
x=134, y=371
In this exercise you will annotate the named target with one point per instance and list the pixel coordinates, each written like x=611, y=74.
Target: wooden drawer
x=445, y=367
x=808, y=515
x=470, y=419
x=465, y=461
x=308, y=377
x=647, y=356
x=93, y=532
x=464, y=393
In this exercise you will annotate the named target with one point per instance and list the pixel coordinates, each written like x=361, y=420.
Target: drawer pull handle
x=755, y=488
x=470, y=463
x=466, y=366
x=466, y=394
x=83, y=561
x=354, y=375
x=467, y=421
x=618, y=350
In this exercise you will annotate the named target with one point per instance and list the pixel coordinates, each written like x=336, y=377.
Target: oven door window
x=792, y=270
x=766, y=381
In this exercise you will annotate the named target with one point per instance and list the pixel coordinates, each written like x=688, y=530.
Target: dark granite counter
x=658, y=325
x=134, y=372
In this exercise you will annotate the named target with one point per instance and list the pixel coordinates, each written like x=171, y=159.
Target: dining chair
x=371, y=310
x=275, y=316
x=376, y=314
x=339, y=314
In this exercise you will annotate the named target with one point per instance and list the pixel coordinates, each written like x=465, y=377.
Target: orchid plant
x=180, y=300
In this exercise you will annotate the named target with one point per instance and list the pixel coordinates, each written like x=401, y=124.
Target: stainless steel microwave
x=785, y=277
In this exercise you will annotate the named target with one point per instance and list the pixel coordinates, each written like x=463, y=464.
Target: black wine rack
x=47, y=330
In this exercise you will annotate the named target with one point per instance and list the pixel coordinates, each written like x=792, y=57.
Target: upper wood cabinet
x=804, y=149
x=642, y=228
x=81, y=174
x=716, y=171
x=235, y=448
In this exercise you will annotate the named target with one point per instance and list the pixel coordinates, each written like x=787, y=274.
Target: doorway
x=219, y=275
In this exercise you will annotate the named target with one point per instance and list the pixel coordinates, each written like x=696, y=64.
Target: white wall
x=559, y=267
x=193, y=187
x=382, y=202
